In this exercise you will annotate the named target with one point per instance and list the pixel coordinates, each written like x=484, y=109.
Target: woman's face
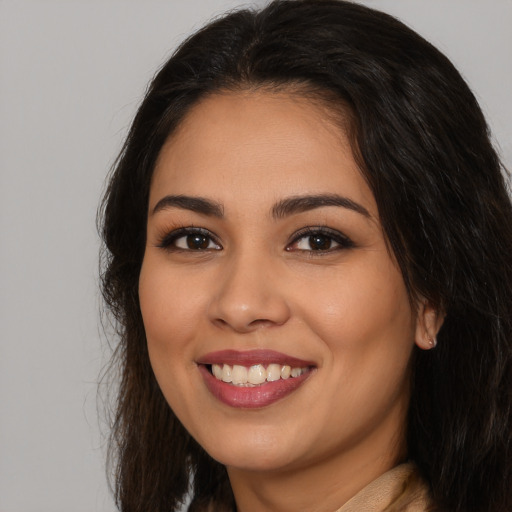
x=266, y=265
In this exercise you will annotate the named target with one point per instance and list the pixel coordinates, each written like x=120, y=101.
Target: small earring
x=432, y=341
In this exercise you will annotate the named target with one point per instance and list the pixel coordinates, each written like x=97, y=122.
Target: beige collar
x=400, y=490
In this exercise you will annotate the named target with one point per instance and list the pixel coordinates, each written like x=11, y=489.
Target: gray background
x=71, y=75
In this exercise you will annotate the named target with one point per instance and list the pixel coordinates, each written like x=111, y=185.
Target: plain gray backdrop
x=72, y=73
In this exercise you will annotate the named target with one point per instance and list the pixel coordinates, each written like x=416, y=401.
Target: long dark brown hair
x=423, y=146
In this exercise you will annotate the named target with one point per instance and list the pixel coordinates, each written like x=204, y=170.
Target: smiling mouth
x=255, y=375
x=253, y=379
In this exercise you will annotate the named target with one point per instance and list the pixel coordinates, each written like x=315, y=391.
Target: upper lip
x=252, y=357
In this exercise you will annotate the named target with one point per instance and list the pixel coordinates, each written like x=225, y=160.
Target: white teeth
x=285, y=372
x=239, y=374
x=226, y=373
x=256, y=374
x=296, y=372
x=217, y=371
x=273, y=372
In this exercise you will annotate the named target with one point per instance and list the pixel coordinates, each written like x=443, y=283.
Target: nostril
x=220, y=322
x=261, y=323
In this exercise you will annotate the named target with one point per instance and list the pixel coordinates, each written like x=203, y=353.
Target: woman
x=308, y=242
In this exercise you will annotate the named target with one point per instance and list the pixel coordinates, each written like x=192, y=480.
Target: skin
x=256, y=286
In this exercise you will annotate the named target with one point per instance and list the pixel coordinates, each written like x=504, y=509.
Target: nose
x=248, y=297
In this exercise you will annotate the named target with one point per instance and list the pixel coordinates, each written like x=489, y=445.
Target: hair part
x=423, y=146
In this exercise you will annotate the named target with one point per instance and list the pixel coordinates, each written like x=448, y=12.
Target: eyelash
x=332, y=235
x=168, y=241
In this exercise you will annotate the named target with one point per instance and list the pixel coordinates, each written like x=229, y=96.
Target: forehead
x=260, y=145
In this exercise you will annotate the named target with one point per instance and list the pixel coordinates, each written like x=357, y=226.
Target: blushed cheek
x=169, y=314
x=155, y=308
x=360, y=311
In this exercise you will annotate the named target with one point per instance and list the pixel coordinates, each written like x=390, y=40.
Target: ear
x=428, y=322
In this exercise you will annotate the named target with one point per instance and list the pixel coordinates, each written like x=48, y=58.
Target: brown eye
x=190, y=239
x=319, y=242
x=316, y=242
x=196, y=242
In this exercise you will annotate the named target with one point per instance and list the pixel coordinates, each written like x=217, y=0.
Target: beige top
x=400, y=490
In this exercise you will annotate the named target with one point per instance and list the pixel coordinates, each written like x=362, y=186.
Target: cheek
x=358, y=310
x=364, y=323
x=169, y=311
x=170, y=320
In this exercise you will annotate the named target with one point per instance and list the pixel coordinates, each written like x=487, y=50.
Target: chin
x=252, y=460
x=261, y=450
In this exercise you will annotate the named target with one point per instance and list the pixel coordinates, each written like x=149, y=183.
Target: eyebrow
x=299, y=204
x=194, y=204
x=282, y=209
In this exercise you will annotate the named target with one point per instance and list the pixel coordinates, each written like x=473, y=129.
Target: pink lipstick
x=252, y=379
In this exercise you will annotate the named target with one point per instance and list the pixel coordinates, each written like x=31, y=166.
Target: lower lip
x=251, y=397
